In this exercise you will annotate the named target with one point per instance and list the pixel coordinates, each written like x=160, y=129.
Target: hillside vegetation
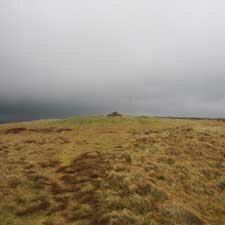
x=102, y=170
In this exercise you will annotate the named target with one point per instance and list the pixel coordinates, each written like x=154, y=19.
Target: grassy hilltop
x=101, y=170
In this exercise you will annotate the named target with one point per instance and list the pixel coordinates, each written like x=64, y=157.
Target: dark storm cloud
x=59, y=58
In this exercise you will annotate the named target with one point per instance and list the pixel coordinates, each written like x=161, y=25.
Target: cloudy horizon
x=63, y=58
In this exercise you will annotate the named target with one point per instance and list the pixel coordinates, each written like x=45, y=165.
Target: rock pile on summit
x=114, y=114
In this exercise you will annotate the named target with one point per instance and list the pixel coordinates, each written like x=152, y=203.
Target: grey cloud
x=153, y=57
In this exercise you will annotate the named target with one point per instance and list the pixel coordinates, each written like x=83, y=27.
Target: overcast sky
x=59, y=58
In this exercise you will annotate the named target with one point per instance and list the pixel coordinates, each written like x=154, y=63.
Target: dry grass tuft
x=177, y=215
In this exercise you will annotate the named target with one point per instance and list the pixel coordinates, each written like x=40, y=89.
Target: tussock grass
x=99, y=170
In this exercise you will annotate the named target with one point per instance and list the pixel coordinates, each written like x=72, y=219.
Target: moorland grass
x=99, y=170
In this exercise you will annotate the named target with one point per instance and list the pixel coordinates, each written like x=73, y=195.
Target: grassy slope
x=117, y=171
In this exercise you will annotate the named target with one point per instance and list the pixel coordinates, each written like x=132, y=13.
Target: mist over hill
x=161, y=58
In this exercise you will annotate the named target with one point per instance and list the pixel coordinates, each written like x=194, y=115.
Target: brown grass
x=113, y=171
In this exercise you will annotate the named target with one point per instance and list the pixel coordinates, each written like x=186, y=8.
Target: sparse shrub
x=175, y=214
x=50, y=163
x=159, y=194
x=161, y=177
x=182, y=170
x=221, y=183
x=168, y=160
x=110, y=199
x=117, y=180
x=119, y=167
x=125, y=217
x=62, y=140
x=29, y=165
x=101, y=183
x=127, y=157
x=148, y=220
x=13, y=181
x=88, y=188
x=81, y=211
x=56, y=188
x=49, y=222
x=138, y=204
x=34, y=206
x=144, y=188
x=149, y=189
x=55, y=221
x=30, y=141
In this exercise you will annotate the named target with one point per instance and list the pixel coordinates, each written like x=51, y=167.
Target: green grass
x=104, y=120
